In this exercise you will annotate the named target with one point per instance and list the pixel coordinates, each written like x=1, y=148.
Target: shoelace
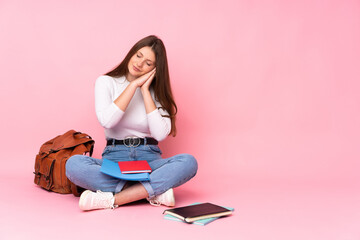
x=103, y=200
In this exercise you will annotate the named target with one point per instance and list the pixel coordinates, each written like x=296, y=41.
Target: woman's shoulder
x=106, y=79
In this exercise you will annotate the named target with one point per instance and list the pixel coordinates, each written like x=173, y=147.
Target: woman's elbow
x=106, y=123
x=159, y=136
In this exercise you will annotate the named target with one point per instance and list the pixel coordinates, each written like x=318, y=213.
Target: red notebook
x=140, y=166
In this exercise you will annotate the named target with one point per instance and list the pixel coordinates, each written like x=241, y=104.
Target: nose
x=139, y=64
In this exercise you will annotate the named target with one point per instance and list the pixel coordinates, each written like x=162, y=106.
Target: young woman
x=135, y=105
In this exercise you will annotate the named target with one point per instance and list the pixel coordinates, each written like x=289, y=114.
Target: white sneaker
x=167, y=198
x=96, y=200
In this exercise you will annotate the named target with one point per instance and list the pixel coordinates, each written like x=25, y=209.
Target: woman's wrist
x=134, y=84
x=145, y=90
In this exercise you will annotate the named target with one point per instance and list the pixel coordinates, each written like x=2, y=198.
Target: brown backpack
x=52, y=157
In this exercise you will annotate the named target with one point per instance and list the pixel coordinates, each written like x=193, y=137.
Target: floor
x=263, y=210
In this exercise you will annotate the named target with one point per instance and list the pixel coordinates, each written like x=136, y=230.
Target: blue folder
x=112, y=168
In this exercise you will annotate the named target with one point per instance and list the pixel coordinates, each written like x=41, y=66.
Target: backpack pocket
x=44, y=172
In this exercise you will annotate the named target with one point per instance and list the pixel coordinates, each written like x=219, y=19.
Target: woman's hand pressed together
x=125, y=97
x=145, y=80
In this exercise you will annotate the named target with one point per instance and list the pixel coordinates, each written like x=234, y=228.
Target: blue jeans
x=84, y=171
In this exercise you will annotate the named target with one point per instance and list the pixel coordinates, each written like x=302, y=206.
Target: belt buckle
x=132, y=141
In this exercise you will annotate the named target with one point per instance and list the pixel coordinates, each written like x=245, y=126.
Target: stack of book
x=137, y=170
x=198, y=213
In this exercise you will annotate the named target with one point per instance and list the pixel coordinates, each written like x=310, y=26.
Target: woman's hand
x=144, y=79
x=145, y=90
x=147, y=83
x=143, y=82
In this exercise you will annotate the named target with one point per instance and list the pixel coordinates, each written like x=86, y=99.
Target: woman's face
x=142, y=62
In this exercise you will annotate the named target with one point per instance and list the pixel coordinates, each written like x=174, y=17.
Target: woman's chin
x=131, y=76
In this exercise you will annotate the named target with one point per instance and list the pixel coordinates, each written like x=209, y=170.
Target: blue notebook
x=201, y=222
x=112, y=169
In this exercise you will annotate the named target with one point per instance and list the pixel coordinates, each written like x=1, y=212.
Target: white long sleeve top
x=134, y=122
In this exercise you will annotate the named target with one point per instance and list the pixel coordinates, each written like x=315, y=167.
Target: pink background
x=268, y=97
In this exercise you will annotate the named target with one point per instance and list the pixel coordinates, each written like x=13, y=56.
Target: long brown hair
x=161, y=81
